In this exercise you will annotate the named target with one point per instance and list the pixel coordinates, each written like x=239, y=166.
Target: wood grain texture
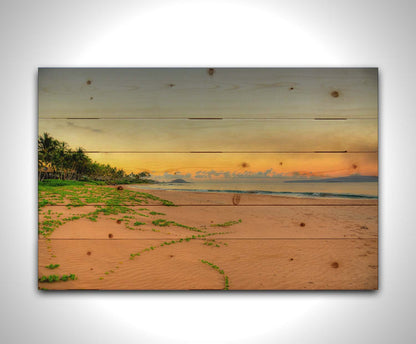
x=225, y=123
x=302, y=246
x=282, y=163
x=221, y=135
x=270, y=222
x=193, y=92
x=204, y=199
x=348, y=264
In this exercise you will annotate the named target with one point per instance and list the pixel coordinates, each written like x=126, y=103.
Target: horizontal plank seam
x=213, y=118
x=233, y=152
x=222, y=205
x=225, y=238
x=235, y=291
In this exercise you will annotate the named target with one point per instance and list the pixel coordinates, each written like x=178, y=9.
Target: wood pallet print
x=208, y=179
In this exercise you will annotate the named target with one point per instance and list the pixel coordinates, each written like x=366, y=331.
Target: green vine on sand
x=220, y=271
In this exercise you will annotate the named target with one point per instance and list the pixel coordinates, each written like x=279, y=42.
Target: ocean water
x=350, y=190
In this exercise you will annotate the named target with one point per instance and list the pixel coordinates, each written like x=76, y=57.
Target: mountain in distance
x=354, y=178
x=178, y=181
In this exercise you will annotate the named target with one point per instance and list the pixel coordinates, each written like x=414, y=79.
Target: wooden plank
x=222, y=135
x=239, y=168
x=257, y=222
x=142, y=195
x=197, y=92
x=207, y=199
x=322, y=264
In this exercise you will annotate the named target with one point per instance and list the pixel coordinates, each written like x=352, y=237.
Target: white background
x=211, y=33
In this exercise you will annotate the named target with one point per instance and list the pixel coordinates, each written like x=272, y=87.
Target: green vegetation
x=144, y=215
x=75, y=194
x=50, y=225
x=57, y=161
x=162, y=222
x=56, y=278
x=211, y=243
x=59, y=182
x=168, y=203
x=77, y=182
x=226, y=224
x=156, y=213
x=167, y=243
x=166, y=223
x=52, y=266
x=217, y=268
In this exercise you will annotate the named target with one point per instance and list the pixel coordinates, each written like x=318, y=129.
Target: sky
x=222, y=123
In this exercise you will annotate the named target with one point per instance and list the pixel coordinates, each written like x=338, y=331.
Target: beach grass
x=57, y=278
x=52, y=266
x=220, y=271
x=106, y=200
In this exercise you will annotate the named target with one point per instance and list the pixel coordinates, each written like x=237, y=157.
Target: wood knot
x=89, y=253
x=335, y=265
x=119, y=187
x=89, y=82
x=211, y=71
x=118, y=221
x=335, y=94
x=110, y=235
x=302, y=224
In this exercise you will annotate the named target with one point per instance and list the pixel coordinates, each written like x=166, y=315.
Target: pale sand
x=335, y=249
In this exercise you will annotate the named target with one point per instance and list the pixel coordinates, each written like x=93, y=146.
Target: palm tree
x=80, y=162
x=68, y=164
x=46, y=150
x=46, y=146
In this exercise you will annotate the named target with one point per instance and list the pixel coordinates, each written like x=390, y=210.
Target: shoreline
x=187, y=197
x=292, y=194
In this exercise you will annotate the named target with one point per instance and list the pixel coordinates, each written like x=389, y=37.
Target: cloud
x=170, y=176
x=207, y=175
x=224, y=175
x=73, y=125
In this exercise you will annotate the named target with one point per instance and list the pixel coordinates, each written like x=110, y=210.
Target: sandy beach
x=215, y=241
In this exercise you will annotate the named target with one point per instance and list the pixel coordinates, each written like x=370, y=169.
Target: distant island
x=355, y=178
x=178, y=181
